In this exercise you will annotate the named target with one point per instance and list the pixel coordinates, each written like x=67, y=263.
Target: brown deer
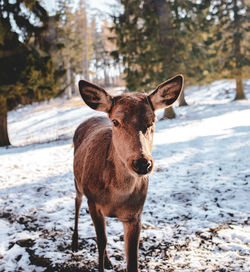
x=112, y=160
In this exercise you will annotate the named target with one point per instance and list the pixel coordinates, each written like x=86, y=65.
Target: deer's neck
x=120, y=173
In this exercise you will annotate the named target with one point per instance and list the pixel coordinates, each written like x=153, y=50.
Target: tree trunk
x=68, y=80
x=182, y=101
x=237, y=52
x=168, y=113
x=86, y=51
x=72, y=82
x=106, y=77
x=164, y=12
x=4, y=137
x=239, y=90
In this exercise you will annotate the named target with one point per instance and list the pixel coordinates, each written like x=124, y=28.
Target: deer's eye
x=115, y=123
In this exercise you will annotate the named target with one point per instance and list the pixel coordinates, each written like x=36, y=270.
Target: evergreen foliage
x=27, y=70
x=157, y=39
x=204, y=40
x=231, y=40
x=102, y=46
x=74, y=34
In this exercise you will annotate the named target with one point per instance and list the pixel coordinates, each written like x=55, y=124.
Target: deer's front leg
x=100, y=228
x=78, y=201
x=131, y=237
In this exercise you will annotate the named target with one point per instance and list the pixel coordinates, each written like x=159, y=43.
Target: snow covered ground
x=197, y=213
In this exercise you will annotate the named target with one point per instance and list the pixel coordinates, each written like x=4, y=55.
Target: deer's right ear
x=94, y=96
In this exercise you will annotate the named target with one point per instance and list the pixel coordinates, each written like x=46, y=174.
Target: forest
x=196, y=216
x=138, y=44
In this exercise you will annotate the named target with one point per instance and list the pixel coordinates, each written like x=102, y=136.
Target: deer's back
x=89, y=129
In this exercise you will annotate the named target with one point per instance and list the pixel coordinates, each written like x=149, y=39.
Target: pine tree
x=74, y=36
x=27, y=71
x=102, y=46
x=83, y=31
x=231, y=28
x=156, y=40
x=137, y=32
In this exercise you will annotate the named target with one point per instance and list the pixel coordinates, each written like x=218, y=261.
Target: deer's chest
x=125, y=204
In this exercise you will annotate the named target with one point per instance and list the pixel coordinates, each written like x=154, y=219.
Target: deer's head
x=133, y=118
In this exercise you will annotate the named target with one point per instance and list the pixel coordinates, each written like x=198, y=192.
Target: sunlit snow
x=197, y=213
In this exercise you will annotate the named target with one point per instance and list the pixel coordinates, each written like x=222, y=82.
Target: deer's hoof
x=74, y=247
x=74, y=243
x=108, y=264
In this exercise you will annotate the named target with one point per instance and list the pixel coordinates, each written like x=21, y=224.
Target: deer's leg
x=100, y=228
x=78, y=202
x=131, y=237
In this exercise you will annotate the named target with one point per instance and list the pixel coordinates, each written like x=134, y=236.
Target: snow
x=197, y=213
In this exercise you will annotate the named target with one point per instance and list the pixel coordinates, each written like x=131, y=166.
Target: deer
x=113, y=160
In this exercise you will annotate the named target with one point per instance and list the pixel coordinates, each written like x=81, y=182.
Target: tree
x=99, y=55
x=135, y=31
x=155, y=41
x=27, y=71
x=231, y=28
x=82, y=23
x=74, y=35
x=102, y=48
x=182, y=101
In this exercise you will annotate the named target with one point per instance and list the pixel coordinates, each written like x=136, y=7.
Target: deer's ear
x=94, y=96
x=167, y=92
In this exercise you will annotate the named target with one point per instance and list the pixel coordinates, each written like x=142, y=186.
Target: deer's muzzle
x=142, y=166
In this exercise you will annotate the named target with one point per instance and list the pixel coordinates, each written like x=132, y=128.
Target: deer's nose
x=142, y=166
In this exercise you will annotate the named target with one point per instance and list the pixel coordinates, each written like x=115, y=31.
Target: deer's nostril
x=142, y=166
x=149, y=166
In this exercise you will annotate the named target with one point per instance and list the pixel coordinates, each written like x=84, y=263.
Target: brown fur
x=106, y=163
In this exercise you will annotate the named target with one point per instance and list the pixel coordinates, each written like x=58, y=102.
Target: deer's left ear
x=167, y=92
x=94, y=96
